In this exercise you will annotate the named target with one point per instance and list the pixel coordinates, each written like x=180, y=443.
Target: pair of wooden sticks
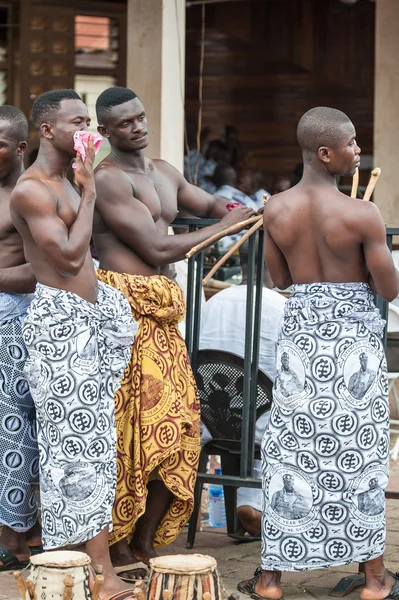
x=257, y=223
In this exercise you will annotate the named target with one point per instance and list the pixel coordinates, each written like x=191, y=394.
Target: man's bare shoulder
x=30, y=189
x=164, y=167
x=107, y=174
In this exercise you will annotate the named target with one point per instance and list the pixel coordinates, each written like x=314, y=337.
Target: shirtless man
x=18, y=511
x=332, y=248
x=75, y=329
x=137, y=199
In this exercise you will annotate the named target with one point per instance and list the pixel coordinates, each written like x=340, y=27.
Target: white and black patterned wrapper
x=77, y=355
x=19, y=463
x=325, y=454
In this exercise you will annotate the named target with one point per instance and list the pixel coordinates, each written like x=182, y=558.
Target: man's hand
x=241, y=213
x=84, y=169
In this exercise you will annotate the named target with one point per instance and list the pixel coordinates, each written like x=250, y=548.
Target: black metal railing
x=252, y=337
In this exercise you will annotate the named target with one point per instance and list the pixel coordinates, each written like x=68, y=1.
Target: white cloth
x=222, y=328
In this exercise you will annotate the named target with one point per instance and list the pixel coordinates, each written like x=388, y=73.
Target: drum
x=59, y=575
x=184, y=577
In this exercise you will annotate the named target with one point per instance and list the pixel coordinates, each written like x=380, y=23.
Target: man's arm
x=275, y=259
x=384, y=278
x=192, y=199
x=132, y=223
x=17, y=280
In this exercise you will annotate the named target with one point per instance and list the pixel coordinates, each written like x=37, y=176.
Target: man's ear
x=103, y=131
x=22, y=147
x=324, y=154
x=47, y=130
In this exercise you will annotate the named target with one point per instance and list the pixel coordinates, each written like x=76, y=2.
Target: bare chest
x=7, y=229
x=158, y=193
x=67, y=203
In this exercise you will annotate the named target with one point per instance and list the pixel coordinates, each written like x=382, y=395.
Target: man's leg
x=141, y=548
x=378, y=581
x=250, y=519
x=15, y=542
x=98, y=550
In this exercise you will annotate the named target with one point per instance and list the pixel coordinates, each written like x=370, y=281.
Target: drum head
x=183, y=563
x=61, y=559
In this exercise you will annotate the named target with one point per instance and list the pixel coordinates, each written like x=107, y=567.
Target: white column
x=386, y=109
x=155, y=72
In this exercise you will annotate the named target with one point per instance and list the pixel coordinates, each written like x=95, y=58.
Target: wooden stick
x=355, y=183
x=138, y=593
x=375, y=173
x=217, y=236
x=31, y=589
x=98, y=583
x=234, y=247
x=20, y=584
x=68, y=585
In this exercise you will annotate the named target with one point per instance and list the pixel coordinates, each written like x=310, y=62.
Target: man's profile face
x=363, y=361
x=345, y=156
x=288, y=483
x=71, y=116
x=126, y=126
x=9, y=157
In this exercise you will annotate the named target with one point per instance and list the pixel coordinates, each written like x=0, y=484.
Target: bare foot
x=112, y=584
x=250, y=519
x=378, y=588
x=268, y=585
x=122, y=554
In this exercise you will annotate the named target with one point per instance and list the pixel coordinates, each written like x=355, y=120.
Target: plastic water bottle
x=217, y=512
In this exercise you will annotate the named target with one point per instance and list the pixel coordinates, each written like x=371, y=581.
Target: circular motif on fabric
x=323, y=368
x=362, y=330
x=338, y=549
x=326, y=445
x=334, y=513
x=145, y=432
x=345, y=424
x=306, y=343
x=72, y=446
x=356, y=532
x=272, y=449
x=271, y=532
x=307, y=462
x=88, y=392
x=303, y=426
x=331, y=481
x=34, y=467
x=342, y=308
x=53, y=435
x=350, y=461
x=55, y=410
x=13, y=460
x=63, y=386
x=315, y=534
x=366, y=437
x=70, y=526
x=377, y=539
x=16, y=352
x=288, y=441
x=48, y=523
x=191, y=457
x=275, y=417
x=21, y=387
x=61, y=332
x=293, y=549
x=15, y=496
x=97, y=449
x=166, y=434
x=46, y=349
x=290, y=327
x=383, y=383
x=12, y=423
x=340, y=292
x=328, y=330
x=28, y=333
x=289, y=385
x=383, y=446
x=360, y=365
x=323, y=408
x=81, y=420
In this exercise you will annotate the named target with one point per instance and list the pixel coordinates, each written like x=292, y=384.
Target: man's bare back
x=315, y=233
x=138, y=197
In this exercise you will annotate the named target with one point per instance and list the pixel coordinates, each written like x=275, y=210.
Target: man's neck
x=317, y=175
x=11, y=179
x=133, y=161
x=53, y=162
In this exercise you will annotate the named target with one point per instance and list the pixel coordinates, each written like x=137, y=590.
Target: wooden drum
x=59, y=575
x=184, y=577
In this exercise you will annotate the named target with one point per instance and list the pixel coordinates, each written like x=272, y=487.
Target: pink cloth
x=232, y=205
x=81, y=141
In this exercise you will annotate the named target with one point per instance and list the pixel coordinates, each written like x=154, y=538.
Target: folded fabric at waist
x=14, y=305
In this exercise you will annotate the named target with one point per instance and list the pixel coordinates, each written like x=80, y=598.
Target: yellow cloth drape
x=156, y=408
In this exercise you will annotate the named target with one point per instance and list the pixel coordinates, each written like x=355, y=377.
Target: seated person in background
x=197, y=169
x=251, y=182
x=225, y=180
x=222, y=328
x=228, y=148
x=280, y=184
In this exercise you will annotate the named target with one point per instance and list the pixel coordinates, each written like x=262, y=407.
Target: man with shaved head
x=157, y=407
x=331, y=439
